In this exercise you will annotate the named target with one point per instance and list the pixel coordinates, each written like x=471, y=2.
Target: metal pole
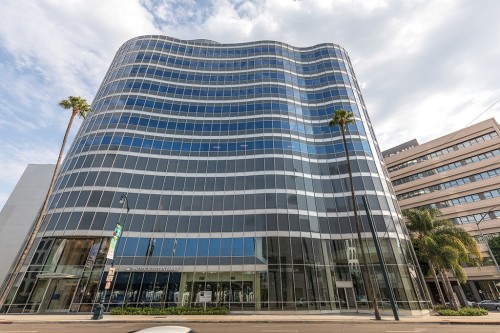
x=123, y=200
x=381, y=260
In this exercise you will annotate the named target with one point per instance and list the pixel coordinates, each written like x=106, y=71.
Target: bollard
x=98, y=311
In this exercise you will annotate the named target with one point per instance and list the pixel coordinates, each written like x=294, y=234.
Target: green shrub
x=473, y=312
x=442, y=307
x=170, y=311
x=463, y=312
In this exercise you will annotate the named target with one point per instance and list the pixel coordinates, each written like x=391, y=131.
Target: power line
x=487, y=109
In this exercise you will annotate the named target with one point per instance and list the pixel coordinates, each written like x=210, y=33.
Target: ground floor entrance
x=347, y=299
x=266, y=290
x=53, y=294
x=59, y=295
x=248, y=274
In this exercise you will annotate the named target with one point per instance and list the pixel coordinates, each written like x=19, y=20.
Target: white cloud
x=49, y=50
x=70, y=45
x=426, y=67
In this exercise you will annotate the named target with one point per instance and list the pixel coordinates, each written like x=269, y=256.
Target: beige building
x=459, y=174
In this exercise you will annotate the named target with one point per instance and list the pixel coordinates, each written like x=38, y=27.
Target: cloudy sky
x=426, y=67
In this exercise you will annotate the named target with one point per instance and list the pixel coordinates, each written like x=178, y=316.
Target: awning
x=53, y=275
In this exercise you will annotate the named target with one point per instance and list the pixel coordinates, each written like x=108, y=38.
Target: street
x=251, y=328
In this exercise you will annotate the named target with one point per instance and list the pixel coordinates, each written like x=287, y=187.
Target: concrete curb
x=259, y=321
x=492, y=319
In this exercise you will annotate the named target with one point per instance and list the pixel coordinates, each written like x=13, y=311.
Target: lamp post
x=486, y=241
x=124, y=200
x=99, y=310
x=383, y=267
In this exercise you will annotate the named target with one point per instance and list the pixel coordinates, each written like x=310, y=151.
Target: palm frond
x=440, y=242
x=79, y=105
x=342, y=118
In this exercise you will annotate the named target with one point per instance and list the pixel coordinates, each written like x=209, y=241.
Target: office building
x=457, y=174
x=232, y=185
x=20, y=212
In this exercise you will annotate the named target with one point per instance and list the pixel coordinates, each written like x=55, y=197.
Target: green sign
x=114, y=240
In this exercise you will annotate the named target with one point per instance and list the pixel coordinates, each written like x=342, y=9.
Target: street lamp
x=124, y=199
x=99, y=310
x=485, y=240
x=383, y=268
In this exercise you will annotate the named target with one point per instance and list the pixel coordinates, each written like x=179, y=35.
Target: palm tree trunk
x=448, y=289
x=438, y=286
x=453, y=294
x=367, y=276
x=41, y=215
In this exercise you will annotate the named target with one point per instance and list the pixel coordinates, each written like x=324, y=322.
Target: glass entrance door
x=347, y=299
x=59, y=295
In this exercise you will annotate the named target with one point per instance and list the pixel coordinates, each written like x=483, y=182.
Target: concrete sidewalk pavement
x=490, y=319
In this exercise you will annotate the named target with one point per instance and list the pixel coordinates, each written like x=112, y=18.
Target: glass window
x=191, y=247
x=172, y=224
x=136, y=181
x=214, y=249
x=149, y=223
x=194, y=224
x=130, y=246
x=227, y=223
x=179, y=247
x=152, y=164
x=142, y=201
x=154, y=200
x=125, y=180
x=216, y=224
x=86, y=221
x=130, y=162
x=119, y=161
x=147, y=182
x=108, y=160
x=183, y=224
x=143, y=246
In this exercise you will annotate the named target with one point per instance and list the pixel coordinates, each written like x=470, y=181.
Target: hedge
x=170, y=311
x=463, y=312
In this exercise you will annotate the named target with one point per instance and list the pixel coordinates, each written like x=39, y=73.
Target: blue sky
x=425, y=67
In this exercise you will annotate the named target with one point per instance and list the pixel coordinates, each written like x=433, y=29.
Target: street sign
x=205, y=296
x=111, y=274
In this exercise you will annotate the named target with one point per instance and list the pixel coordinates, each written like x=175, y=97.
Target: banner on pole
x=112, y=245
x=111, y=274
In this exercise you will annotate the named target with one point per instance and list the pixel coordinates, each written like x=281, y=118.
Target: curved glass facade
x=235, y=183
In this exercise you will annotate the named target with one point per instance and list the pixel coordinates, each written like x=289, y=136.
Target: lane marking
x=414, y=331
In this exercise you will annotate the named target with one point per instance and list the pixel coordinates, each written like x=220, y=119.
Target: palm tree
x=444, y=246
x=342, y=118
x=419, y=221
x=79, y=108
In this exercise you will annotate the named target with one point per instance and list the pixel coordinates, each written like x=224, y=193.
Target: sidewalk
x=490, y=319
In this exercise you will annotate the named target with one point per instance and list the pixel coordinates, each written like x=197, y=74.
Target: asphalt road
x=252, y=328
